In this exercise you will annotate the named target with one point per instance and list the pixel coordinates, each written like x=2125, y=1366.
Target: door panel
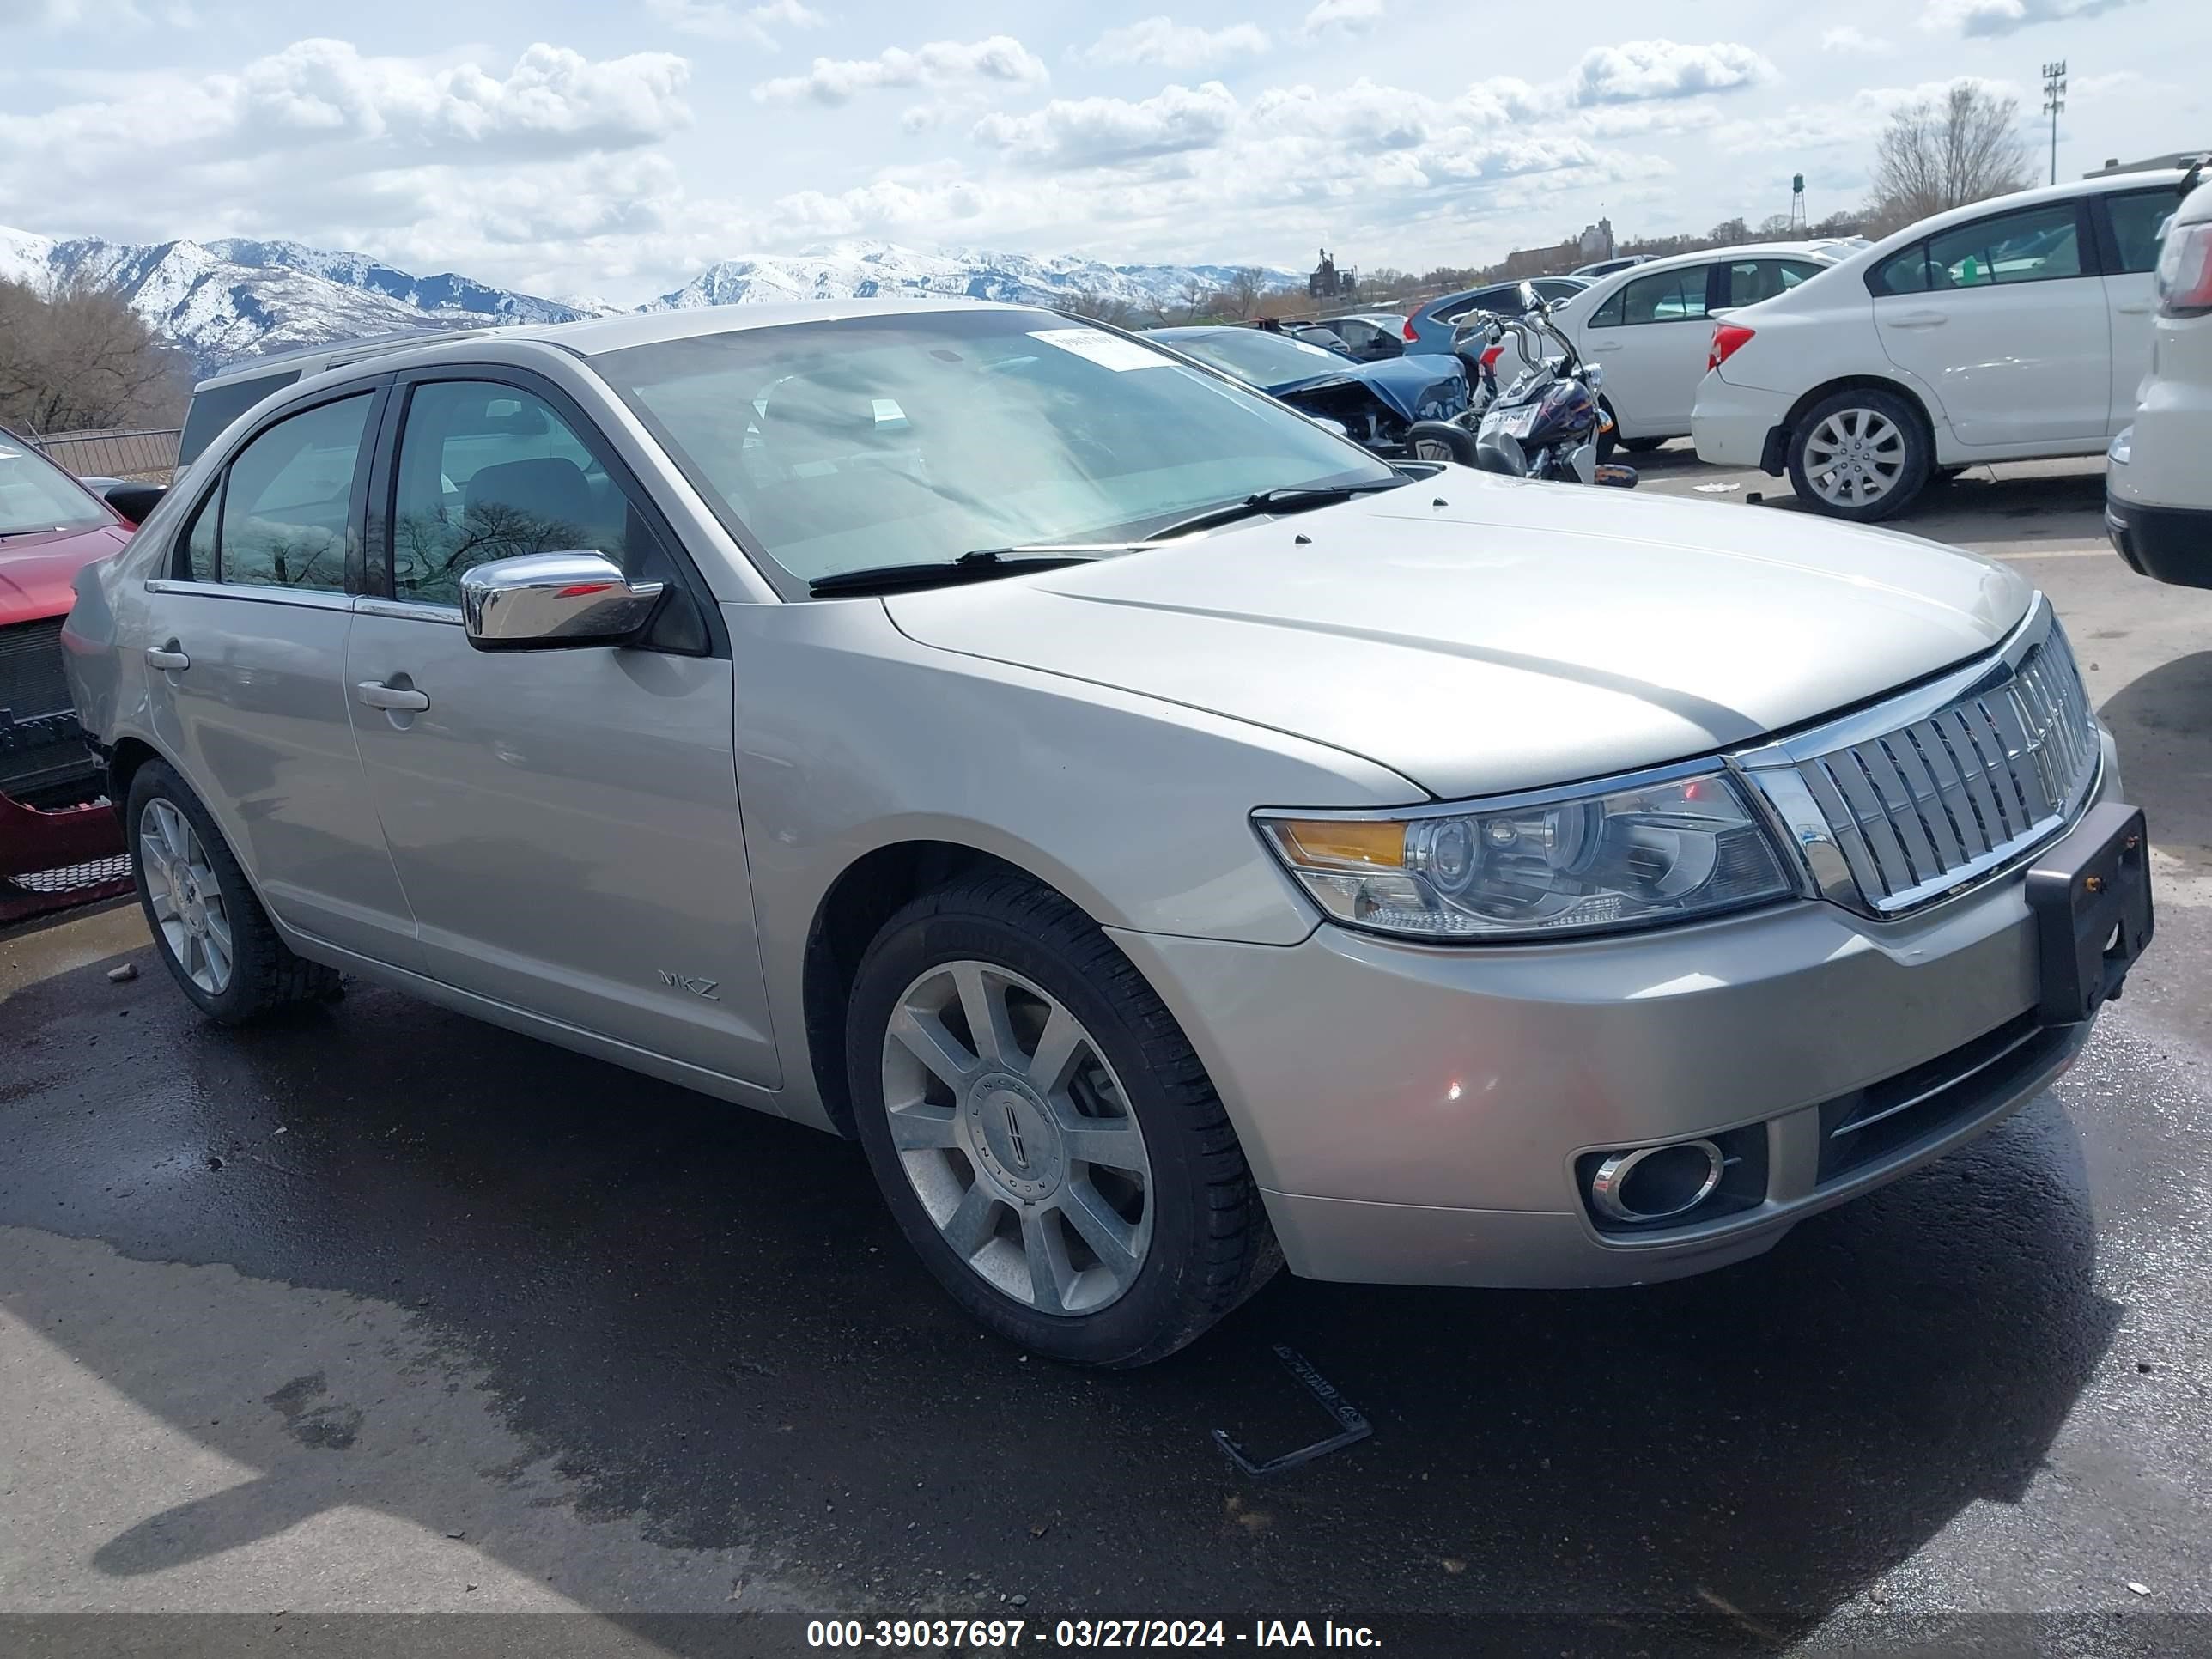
x=565, y=822
x=1652, y=346
x=566, y=826
x=2129, y=225
x=257, y=715
x=2003, y=321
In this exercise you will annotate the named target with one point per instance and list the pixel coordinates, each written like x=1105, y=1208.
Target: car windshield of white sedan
x=921, y=436
x=35, y=495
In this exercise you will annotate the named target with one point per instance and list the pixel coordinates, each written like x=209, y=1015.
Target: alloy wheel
x=186, y=894
x=1855, y=456
x=1017, y=1137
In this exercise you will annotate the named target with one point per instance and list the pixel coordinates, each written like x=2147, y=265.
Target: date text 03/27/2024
x=919, y=1634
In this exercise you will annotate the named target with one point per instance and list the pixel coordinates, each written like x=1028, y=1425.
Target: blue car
x=1429, y=329
x=1376, y=404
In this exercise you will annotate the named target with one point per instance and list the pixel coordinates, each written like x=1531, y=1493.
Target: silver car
x=1173, y=842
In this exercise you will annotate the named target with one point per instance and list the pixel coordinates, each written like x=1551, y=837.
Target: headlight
x=1612, y=857
x=2122, y=447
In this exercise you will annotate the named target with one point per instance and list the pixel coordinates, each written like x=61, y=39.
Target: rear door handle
x=161, y=657
x=377, y=694
x=1919, y=319
x=2140, y=309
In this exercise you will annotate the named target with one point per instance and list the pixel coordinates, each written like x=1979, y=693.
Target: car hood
x=1406, y=386
x=1480, y=635
x=36, y=570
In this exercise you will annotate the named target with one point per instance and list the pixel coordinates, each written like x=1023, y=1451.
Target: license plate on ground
x=2090, y=895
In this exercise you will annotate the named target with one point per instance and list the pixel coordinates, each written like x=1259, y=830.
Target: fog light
x=1656, y=1183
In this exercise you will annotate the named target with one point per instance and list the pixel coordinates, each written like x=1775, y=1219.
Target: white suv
x=2011, y=329
x=2158, y=490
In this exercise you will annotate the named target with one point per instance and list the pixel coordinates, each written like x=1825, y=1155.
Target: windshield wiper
x=1293, y=499
x=978, y=566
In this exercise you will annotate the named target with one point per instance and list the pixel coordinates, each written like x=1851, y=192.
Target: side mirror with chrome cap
x=546, y=601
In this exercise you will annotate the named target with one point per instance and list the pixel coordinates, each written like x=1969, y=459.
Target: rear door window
x=1904, y=272
x=2033, y=245
x=2136, y=218
x=279, y=518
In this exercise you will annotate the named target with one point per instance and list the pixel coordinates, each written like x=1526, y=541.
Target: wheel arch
x=851, y=912
x=1930, y=427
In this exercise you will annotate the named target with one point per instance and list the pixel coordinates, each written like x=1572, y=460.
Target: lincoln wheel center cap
x=1013, y=1135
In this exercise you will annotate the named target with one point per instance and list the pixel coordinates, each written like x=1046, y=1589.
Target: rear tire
x=1440, y=441
x=980, y=1146
x=1860, y=455
x=209, y=926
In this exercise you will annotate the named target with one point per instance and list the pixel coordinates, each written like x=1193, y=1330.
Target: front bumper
x=1738, y=426
x=1415, y=1115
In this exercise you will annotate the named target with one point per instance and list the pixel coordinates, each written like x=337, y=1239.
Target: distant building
x=1328, y=282
x=1596, y=241
x=2180, y=158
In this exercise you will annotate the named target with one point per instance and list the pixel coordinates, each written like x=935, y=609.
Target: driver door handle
x=157, y=657
x=1918, y=320
x=377, y=694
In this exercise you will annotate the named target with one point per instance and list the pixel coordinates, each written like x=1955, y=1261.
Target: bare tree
x=80, y=357
x=1941, y=153
x=1243, y=292
x=1774, y=227
x=1195, y=293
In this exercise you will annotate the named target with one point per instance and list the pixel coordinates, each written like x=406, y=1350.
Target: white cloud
x=1084, y=132
x=1000, y=60
x=720, y=20
x=1987, y=17
x=1362, y=114
x=1857, y=120
x=324, y=93
x=1342, y=17
x=1848, y=38
x=1665, y=68
x=1169, y=44
x=58, y=15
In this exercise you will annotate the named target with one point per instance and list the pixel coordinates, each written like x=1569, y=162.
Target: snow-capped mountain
x=866, y=270
x=221, y=301
x=224, y=300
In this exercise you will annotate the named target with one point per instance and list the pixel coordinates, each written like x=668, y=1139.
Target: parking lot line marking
x=2056, y=553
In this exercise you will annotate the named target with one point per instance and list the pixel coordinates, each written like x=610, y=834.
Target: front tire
x=1860, y=455
x=1044, y=1134
x=209, y=929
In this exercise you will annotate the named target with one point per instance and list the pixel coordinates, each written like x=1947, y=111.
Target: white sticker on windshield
x=1109, y=351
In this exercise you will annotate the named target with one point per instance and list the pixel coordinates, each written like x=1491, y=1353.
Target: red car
x=52, y=526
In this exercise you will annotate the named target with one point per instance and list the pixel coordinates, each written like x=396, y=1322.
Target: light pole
x=2054, y=94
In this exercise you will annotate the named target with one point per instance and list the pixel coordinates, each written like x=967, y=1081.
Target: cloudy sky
x=615, y=149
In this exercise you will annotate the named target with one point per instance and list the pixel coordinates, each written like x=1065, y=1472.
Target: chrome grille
x=1957, y=788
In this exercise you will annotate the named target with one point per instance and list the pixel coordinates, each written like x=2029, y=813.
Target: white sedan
x=1649, y=326
x=2015, y=329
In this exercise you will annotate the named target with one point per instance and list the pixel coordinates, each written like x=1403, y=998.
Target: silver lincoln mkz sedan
x=1173, y=842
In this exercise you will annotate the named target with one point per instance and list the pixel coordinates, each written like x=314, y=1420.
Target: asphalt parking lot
x=376, y=1309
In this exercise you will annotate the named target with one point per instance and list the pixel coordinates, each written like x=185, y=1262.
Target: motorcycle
x=1547, y=422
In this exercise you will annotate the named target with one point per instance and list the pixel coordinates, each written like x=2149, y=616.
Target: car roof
x=2109, y=184
x=1364, y=317
x=593, y=335
x=332, y=354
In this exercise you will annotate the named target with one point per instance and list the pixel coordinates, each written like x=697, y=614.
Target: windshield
x=866, y=441
x=1251, y=355
x=36, y=495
